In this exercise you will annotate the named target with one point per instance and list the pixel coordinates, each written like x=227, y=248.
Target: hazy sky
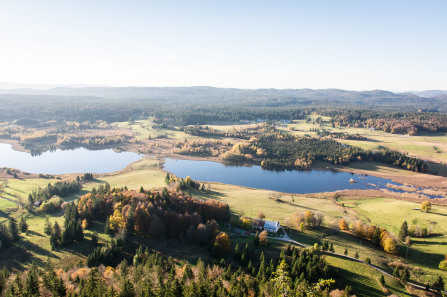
x=393, y=45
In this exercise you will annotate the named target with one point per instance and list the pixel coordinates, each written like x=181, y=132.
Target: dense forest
x=202, y=105
x=295, y=273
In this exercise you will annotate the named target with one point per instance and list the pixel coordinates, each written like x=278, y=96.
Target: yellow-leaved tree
x=117, y=221
x=224, y=241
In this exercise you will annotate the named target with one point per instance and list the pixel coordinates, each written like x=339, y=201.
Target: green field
x=364, y=279
x=425, y=253
x=145, y=128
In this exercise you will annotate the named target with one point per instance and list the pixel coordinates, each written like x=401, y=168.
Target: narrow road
x=287, y=238
x=12, y=200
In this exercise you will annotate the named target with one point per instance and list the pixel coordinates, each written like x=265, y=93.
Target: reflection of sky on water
x=288, y=181
x=78, y=160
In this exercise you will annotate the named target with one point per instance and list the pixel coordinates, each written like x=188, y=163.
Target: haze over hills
x=255, y=97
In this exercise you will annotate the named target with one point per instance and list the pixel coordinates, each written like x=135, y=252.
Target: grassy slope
x=364, y=279
x=145, y=128
x=390, y=214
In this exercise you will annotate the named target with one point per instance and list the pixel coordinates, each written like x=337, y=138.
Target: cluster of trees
x=392, y=122
x=413, y=231
x=309, y=218
x=378, y=236
x=167, y=214
x=201, y=147
x=85, y=176
x=182, y=184
x=89, y=141
x=9, y=233
x=339, y=135
x=206, y=131
x=72, y=232
x=285, y=151
x=61, y=189
x=294, y=273
x=52, y=204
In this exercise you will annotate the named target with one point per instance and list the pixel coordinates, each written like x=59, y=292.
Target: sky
x=356, y=45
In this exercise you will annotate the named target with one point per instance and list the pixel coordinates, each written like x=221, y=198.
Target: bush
x=51, y=205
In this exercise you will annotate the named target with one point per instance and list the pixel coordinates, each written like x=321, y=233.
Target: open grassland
x=144, y=129
x=364, y=279
x=390, y=214
x=18, y=189
x=275, y=206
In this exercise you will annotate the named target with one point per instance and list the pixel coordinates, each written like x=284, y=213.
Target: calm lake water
x=78, y=160
x=289, y=181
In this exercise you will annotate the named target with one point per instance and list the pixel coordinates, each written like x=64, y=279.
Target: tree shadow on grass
x=17, y=256
x=423, y=259
x=361, y=285
x=34, y=233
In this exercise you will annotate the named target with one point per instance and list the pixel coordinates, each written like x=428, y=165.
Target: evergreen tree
x=332, y=248
x=282, y=281
x=396, y=272
x=107, y=228
x=403, y=233
x=31, y=287
x=23, y=226
x=127, y=289
x=438, y=285
x=47, y=229
x=382, y=280
x=375, y=239
x=13, y=230
x=405, y=275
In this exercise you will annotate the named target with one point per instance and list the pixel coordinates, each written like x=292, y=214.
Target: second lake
x=288, y=181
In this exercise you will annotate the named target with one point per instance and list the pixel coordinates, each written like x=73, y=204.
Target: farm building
x=269, y=226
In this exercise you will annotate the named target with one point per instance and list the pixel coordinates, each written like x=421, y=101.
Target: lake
x=289, y=181
x=78, y=160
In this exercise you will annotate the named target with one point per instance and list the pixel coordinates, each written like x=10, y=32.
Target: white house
x=269, y=226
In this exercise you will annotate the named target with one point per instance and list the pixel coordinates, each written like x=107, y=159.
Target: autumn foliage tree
x=426, y=206
x=224, y=241
x=343, y=225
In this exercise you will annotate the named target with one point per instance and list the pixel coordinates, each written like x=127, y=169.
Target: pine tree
x=382, y=280
x=127, y=289
x=405, y=275
x=282, y=281
x=438, y=285
x=13, y=230
x=31, y=287
x=396, y=272
x=23, y=226
x=375, y=239
x=332, y=248
x=48, y=227
x=403, y=233
x=107, y=228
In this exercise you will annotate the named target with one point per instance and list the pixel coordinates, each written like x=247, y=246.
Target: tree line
x=285, y=151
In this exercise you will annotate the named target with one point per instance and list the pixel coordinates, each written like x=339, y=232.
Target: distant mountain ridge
x=202, y=95
x=429, y=93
